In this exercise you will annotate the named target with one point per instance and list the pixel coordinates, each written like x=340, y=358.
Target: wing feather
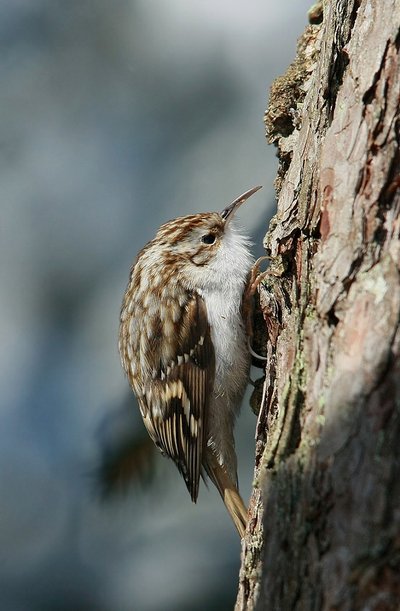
x=176, y=401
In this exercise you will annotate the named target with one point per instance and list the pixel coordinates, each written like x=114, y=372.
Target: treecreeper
x=185, y=344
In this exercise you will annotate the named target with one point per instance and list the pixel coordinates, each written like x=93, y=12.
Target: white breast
x=223, y=298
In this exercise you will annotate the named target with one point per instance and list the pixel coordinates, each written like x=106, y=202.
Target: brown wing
x=175, y=403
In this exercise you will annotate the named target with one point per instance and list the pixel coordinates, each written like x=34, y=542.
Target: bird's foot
x=254, y=280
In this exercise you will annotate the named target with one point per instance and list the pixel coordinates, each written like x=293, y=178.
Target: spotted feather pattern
x=174, y=399
x=183, y=345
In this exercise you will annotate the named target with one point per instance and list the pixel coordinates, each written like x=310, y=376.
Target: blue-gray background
x=115, y=116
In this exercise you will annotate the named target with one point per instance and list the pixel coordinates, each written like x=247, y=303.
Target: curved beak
x=230, y=210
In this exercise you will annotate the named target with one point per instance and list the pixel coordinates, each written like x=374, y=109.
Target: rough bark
x=324, y=527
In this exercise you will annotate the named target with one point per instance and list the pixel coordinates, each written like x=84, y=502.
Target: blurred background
x=115, y=117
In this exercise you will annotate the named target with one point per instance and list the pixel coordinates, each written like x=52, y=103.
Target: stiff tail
x=228, y=491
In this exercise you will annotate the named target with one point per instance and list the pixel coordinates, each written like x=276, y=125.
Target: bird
x=184, y=342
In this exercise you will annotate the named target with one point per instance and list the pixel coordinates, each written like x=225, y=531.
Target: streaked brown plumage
x=184, y=348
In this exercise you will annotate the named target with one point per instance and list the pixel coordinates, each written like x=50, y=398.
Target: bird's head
x=197, y=238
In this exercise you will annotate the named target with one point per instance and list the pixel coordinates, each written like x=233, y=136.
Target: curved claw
x=261, y=259
x=256, y=275
x=253, y=353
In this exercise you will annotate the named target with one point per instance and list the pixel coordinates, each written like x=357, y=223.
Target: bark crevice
x=324, y=528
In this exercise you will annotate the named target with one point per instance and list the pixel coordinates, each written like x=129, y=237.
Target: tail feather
x=229, y=493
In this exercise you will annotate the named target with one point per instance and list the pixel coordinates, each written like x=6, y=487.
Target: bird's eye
x=208, y=238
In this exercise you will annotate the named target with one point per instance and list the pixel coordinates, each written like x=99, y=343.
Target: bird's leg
x=254, y=280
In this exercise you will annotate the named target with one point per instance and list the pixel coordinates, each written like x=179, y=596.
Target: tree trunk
x=324, y=528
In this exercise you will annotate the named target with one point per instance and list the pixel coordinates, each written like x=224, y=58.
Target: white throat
x=223, y=298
